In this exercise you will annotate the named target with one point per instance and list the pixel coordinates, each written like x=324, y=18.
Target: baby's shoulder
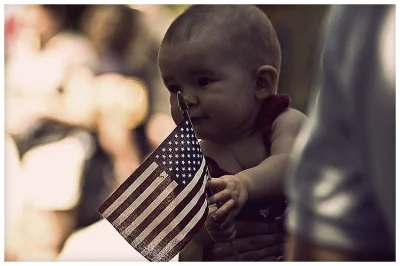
x=289, y=120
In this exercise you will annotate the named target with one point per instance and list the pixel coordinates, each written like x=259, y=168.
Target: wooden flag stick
x=184, y=108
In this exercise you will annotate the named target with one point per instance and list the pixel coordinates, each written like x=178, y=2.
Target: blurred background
x=84, y=105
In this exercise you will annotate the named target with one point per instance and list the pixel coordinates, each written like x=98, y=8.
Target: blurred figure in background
x=126, y=45
x=46, y=60
x=56, y=111
x=342, y=188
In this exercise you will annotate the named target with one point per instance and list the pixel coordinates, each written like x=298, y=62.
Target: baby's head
x=225, y=60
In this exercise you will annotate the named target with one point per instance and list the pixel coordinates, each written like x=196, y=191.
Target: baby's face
x=218, y=90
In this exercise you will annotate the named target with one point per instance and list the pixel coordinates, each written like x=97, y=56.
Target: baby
x=225, y=60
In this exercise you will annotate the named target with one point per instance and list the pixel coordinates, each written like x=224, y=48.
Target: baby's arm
x=263, y=181
x=266, y=179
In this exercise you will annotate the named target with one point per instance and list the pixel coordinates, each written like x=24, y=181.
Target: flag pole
x=184, y=108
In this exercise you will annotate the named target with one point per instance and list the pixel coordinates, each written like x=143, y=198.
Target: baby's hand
x=214, y=229
x=231, y=194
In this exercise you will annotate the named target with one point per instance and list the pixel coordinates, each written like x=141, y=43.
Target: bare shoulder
x=291, y=120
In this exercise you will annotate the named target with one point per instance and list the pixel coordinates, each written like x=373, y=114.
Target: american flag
x=162, y=205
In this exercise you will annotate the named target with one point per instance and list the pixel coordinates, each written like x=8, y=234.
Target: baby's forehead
x=212, y=42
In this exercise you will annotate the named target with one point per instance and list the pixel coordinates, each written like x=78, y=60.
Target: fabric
x=162, y=205
x=342, y=185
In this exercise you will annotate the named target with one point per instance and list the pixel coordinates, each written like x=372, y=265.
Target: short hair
x=247, y=28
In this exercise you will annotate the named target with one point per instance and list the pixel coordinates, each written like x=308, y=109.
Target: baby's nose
x=190, y=99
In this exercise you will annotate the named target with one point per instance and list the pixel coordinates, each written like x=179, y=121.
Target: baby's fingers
x=229, y=220
x=223, y=211
x=222, y=196
x=216, y=184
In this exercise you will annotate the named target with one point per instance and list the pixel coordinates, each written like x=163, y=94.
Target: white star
x=164, y=156
x=170, y=149
x=187, y=129
x=188, y=162
x=170, y=143
x=183, y=155
x=163, y=149
x=194, y=162
x=189, y=169
x=176, y=155
x=163, y=163
x=182, y=142
x=170, y=155
x=184, y=182
x=177, y=175
x=182, y=136
x=170, y=169
x=188, y=155
x=176, y=136
x=176, y=149
x=157, y=156
x=183, y=168
x=188, y=142
x=182, y=129
x=176, y=143
x=182, y=149
x=188, y=136
x=177, y=169
x=170, y=162
x=183, y=162
x=183, y=175
x=187, y=123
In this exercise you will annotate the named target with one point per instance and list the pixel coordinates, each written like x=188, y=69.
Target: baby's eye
x=173, y=88
x=202, y=82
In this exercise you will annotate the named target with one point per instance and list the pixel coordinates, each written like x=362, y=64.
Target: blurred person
x=342, y=185
x=246, y=128
x=69, y=170
x=126, y=44
x=54, y=115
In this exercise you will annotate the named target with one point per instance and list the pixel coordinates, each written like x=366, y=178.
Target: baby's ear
x=265, y=81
